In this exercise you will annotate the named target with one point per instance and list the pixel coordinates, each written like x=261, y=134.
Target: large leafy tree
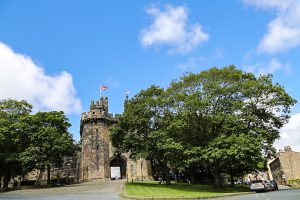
x=13, y=137
x=227, y=106
x=50, y=141
x=219, y=120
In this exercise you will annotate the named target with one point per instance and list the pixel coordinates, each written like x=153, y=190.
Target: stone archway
x=118, y=167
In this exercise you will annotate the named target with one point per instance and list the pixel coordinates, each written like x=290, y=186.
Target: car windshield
x=257, y=181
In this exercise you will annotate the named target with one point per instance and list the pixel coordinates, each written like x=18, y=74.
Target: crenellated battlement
x=98, y=113
x=101, y=105
x=89, y=115
x=98, y=109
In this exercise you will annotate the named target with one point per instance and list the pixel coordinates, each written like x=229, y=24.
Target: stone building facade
x=286, y=166
x=98, y=161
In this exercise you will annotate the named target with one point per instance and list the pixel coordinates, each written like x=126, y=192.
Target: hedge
x=296, y=180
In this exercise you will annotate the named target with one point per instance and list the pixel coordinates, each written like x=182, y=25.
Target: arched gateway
x=97, y=155
x=118, y=167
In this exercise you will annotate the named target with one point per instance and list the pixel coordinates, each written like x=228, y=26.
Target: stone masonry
x=286, y=166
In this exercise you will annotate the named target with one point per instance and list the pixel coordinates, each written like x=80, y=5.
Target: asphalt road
x=288, y=194
x=108, y=190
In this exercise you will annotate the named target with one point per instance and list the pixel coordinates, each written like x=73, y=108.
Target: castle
x=97, y=159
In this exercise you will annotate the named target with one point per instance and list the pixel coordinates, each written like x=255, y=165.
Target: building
x=98, y=161
x=286, y=166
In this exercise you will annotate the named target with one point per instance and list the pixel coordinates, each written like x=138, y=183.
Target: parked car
x=260, y=185
x=275, y=184
x=271, y=185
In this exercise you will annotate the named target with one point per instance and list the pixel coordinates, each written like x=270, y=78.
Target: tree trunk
x=192, y=178
x=177, y=177
x=6, y=179
x=19, y=178
x=167, y=175
x=58, y=178
x=48, y=174
x=40, y=177
x=231, y=180
x=218, y=180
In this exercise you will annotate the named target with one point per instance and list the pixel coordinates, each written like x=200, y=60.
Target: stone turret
x=94, y=132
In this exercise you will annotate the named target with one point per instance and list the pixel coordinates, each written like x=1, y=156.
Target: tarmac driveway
x=85, y=191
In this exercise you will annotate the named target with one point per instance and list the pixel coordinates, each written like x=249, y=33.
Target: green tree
x=50, y=142
x=218, y=106
x=13, y=137
x=219, y=120
x=235, y=155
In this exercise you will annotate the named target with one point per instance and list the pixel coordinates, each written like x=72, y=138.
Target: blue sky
x=56, y=53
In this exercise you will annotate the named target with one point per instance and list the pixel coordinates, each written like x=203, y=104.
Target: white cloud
x=219, y=53
x=249, y=54
x=189, y=65
x=112, y=83
x=284, y=31
x=290, y=134
x=268, y=68
x=193, y=62
x=170, y=27
x=21, y=78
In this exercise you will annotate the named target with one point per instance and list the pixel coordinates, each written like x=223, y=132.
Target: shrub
x=294, y=181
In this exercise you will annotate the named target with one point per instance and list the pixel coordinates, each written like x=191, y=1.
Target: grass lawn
x=153, y=189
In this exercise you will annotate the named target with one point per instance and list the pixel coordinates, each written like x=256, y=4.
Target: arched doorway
x=118, y=168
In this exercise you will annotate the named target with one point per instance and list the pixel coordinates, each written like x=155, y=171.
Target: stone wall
x=69, y=171
x=139, y=170
x=275, y=168
x=290, y=162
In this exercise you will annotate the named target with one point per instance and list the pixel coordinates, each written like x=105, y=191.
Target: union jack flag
x=103, y=87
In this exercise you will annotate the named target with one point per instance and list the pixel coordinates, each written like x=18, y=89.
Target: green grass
x=153, y=189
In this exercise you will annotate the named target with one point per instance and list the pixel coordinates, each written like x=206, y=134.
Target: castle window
x=96, y=130
x=93, y=113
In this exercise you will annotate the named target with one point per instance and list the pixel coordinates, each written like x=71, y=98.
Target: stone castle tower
x=97, y=158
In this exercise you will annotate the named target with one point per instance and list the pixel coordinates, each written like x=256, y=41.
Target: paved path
x=287, y=194
x=108, y=190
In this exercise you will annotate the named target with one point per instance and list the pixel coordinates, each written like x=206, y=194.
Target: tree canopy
x=219, y=120
x=13, y=136
x=31, y=141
